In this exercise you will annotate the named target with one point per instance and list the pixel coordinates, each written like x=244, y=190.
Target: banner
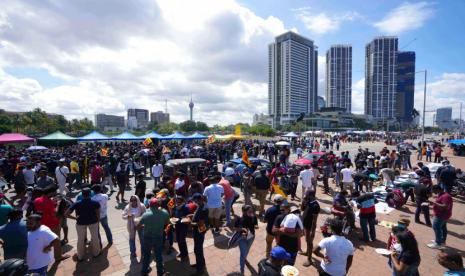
x=237, y=130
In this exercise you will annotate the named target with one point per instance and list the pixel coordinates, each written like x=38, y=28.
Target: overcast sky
x=82, y=57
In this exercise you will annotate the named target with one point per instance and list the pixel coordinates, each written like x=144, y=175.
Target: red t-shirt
x=443, y=213
x=96, y=174
x=228, y=190
x=46, y=207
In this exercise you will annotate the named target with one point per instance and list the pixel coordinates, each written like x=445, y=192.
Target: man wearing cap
x=61, y=175
x=153, y=222
x=270, y=216
x=199, y=228
x=87, y=217
x=262, y=186
x=271, y=266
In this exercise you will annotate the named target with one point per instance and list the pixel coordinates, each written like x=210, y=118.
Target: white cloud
x=321, y=23
x=115, y=55
x=446, y=91
x=406, y=17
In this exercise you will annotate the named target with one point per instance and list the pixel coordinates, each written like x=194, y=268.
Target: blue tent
x=196, y=136
x=174, y=136
x=151, y=135
x=125, y=136
x=457, y=142
x=93, y=136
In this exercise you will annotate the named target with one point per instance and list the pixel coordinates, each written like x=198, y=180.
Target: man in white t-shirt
x=102, y=199
x=157, y=171
x=338, y=251
x=61, y=174
x=306, y=176
x=347, y=178
x=29, y=175
x=40, y=241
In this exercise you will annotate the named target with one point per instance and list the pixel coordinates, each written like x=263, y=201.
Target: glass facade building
x=405, y=87
x=380, y=78
x=292, y=78
x=339, y=77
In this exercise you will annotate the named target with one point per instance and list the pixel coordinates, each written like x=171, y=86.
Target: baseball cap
x=278, y=199
x=280, y=253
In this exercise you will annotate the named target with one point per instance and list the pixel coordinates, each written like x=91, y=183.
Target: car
x=309, y=158
x=185, y=164
x=256, y=161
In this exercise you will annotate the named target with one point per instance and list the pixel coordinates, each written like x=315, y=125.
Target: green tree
x=153, y=126
x=188, y=126
x=262, y=129
x=201, y=126
x=168, y=128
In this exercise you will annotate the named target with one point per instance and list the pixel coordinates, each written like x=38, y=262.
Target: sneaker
x=434, y=245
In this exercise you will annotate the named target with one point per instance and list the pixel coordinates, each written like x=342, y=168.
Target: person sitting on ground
x=451, y=260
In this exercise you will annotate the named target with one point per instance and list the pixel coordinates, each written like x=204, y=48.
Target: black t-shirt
x=291, y=244
x=247, y=222
x=262, y=182
x=412, y=260
x=265, y=268
x=86, y=211
x=270, y=216
x=421, y=191
x=312, y=208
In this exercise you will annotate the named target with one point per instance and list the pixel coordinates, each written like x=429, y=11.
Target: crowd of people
x=76, y=182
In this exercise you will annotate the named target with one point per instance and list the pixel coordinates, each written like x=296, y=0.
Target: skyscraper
x=339, y=77
x=405, y=87
x=292, y=78
x=138, y=118
x=191, y=107
x=444, y=118
x=380, y=78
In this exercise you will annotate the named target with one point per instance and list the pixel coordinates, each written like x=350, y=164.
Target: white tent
x=290, y=135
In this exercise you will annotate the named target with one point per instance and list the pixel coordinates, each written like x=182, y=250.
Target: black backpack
x=13, y=267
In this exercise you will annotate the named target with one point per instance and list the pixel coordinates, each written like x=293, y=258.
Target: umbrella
x=290, y=135
x=37, y=148
x=283, y=143
x=197, y=148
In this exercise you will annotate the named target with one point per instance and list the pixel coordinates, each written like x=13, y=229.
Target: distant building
x=405, y=87
x=444, y=118
x=380, y=78
x=292, y=78
x=191, y=109
x=160, y=117
x=141, y=116
x=339, y=77
x=321, y=103
x=336, y=118
x=109, y=122
x=260, y=119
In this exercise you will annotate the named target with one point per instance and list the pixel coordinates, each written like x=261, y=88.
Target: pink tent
x=15, y=138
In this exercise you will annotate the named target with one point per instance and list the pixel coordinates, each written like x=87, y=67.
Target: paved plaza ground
x=116, y=260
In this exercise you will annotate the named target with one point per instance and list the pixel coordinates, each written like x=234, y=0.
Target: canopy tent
x=290, y=135
x=151, y=135
x=174, y=136
x=196, y=136
x=15, y=138
x=126, y=136
x=32, y=148
x=457, y=142
x=57, y=138
x=93, y=136
x=228, y=137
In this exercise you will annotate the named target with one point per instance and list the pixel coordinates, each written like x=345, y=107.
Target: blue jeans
x=227, y=209
x=104, y=222
x=199, y=238
x=364, y=224
x=154, y=243
x=132, y=241
x=41, y=271
x=244, y=247
x=440, y=230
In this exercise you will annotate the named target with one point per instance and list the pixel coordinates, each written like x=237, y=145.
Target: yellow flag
x=245, y=158
x=278, y=190
x=147, y=142
x=237, y=130
x=104, y=151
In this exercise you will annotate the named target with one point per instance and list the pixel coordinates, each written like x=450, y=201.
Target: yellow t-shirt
x=74, y=167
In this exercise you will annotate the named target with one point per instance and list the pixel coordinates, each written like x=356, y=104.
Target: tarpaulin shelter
x=126, y=136
x=174, y=136
x=57, y=138
x=196, y=136
x=151, y=135
x=457, y=142
x=15, y=138
x=93, y=136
